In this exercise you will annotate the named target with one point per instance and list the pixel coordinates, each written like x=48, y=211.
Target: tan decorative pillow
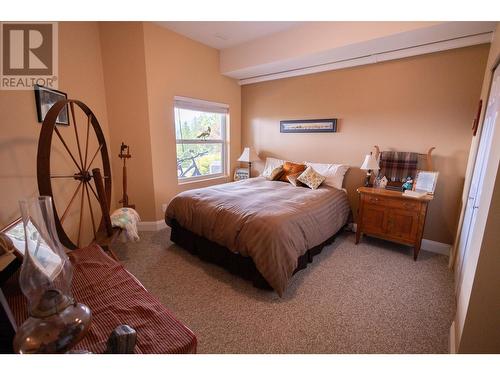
x=291, y=168
x=292, y=178
x=275, y=174
x=311, y=178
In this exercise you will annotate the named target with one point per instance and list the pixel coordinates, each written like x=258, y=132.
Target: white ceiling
x=228, y=34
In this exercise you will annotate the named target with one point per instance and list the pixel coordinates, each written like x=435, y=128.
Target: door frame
x=472, y=203
x=470, y=168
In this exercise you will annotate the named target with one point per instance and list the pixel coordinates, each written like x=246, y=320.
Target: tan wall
x=176, y=65
x=143, y=73
x=409, y=104
x=81, y=77
x=133, y=84
x=127, y=101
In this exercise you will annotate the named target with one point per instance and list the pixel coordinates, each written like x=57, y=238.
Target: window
x=200, y=132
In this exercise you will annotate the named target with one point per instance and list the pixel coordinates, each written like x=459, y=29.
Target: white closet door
x=479, y=170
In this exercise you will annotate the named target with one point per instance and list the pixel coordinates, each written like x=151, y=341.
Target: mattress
x=272, y=222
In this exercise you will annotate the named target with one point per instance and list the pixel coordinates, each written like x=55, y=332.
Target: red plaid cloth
x=398, y=165
x=115, y=297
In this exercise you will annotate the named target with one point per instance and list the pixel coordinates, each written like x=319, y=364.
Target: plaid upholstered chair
x=396, y=166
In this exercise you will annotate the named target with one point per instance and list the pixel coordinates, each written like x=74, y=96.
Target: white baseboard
x=151, y=226
x=428, y=245
x=436, y=247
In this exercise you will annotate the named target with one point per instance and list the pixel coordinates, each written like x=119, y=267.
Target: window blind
x=200, y=105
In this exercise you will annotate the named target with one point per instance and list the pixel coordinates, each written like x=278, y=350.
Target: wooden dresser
x=392, y=216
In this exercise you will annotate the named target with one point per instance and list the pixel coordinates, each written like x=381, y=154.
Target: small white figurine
x=383, y=182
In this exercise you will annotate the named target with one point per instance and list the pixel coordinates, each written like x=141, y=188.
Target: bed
x=270, y=225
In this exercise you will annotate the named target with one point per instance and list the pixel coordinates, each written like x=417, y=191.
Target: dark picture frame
x=309, y=126
x=45, y=98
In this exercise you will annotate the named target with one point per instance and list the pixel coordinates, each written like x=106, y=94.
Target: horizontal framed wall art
x=309, y=126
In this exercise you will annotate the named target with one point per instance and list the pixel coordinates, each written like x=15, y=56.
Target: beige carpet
x=369, y=298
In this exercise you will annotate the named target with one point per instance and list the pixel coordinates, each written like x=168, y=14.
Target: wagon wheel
x=66, y=169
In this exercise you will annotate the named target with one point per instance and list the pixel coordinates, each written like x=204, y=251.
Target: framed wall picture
x=309, y=126
x=45, y=98
x=426, y=181
x=241, y=174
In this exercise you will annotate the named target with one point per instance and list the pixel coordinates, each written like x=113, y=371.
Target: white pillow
x=334, y=173
x=271, y=164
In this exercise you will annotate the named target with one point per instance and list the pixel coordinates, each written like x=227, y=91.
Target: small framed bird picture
x=241, y=174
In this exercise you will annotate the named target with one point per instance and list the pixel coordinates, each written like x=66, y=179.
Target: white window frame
x=183, y=102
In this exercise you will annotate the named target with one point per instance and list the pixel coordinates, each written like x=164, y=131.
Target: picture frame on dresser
x=426, y=181
x=15, y=231
x=11, y=261
x=241, y=174
x=12, y=236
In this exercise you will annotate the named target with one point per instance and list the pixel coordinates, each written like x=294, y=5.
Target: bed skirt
x=235, y=263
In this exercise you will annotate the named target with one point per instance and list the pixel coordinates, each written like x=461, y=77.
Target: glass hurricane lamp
x=56, y=321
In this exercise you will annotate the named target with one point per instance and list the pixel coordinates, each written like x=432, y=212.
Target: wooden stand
x=125, y=154
x=392, y=216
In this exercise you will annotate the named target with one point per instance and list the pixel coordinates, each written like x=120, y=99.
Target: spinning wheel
x=69, y=170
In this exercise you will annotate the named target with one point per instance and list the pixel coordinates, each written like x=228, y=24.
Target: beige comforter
x=273, y=222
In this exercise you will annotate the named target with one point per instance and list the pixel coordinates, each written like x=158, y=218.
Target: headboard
x=397, y=165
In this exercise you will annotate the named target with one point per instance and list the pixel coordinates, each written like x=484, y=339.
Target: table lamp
x=248, y=156
x=369, y=164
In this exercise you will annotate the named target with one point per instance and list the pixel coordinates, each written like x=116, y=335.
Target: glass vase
x=56, y=321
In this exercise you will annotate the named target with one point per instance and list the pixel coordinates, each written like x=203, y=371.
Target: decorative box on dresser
x=393, y=216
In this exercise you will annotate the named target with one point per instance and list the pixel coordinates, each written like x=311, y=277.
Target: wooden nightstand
x=392, y=216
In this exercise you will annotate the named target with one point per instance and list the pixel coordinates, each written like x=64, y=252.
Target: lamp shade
x=248, y=155
x=370, y=163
